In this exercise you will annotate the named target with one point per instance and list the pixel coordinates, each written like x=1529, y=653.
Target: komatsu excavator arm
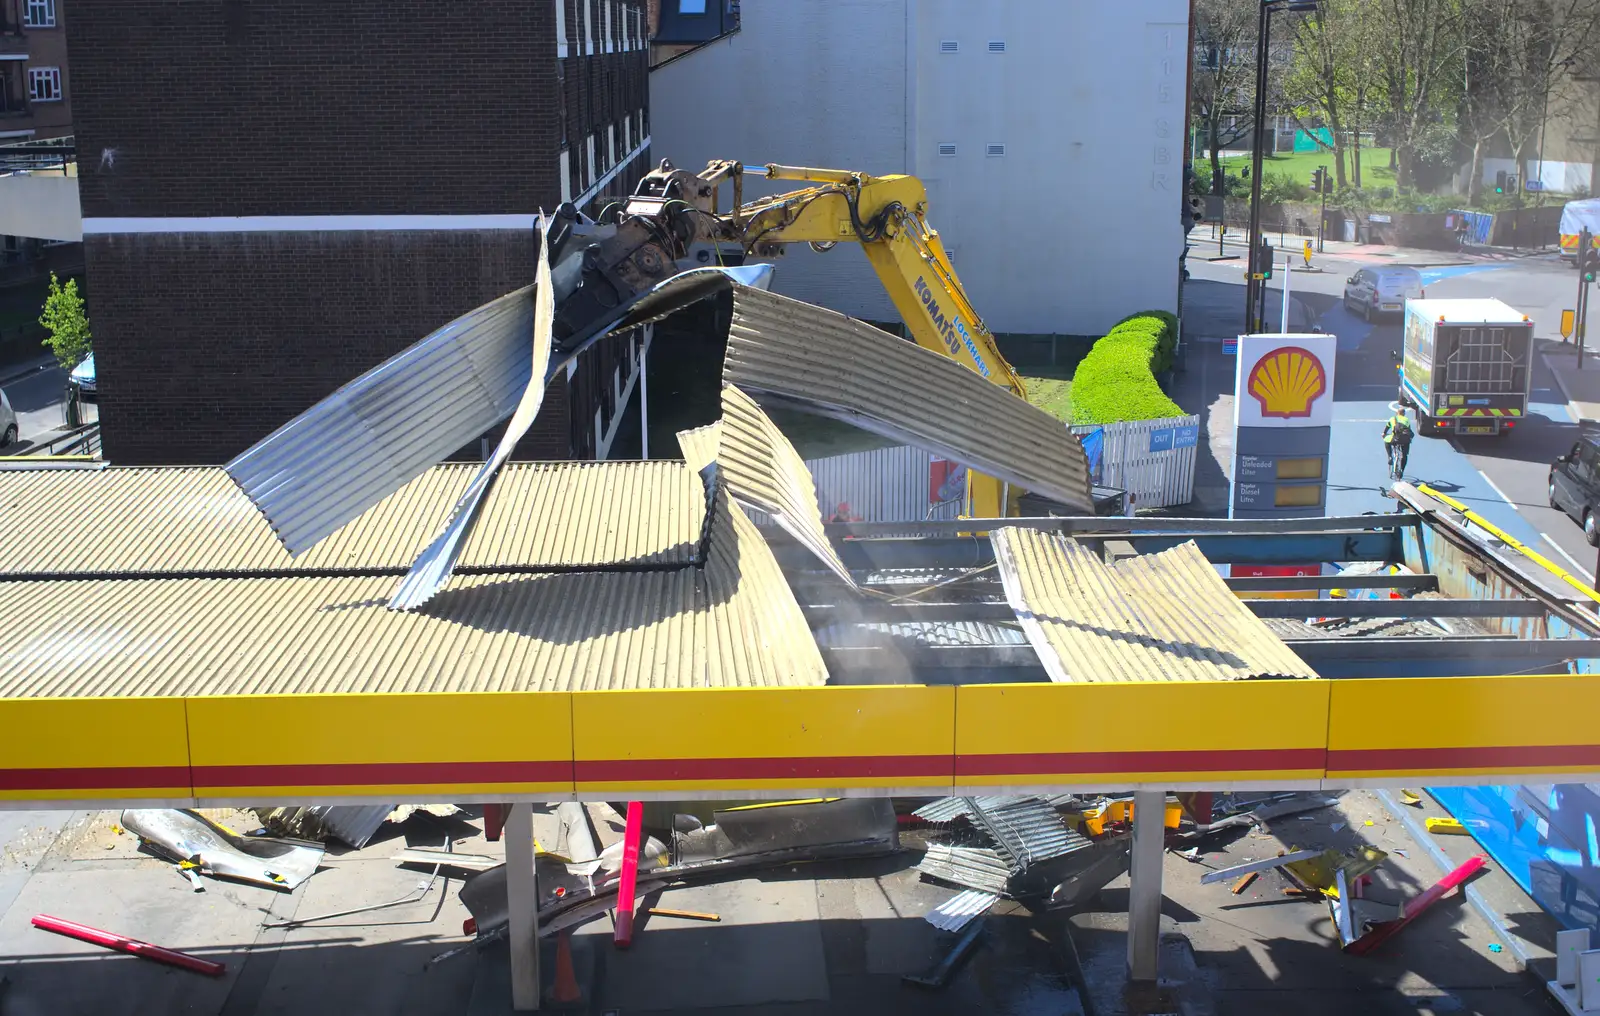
x=645, y=239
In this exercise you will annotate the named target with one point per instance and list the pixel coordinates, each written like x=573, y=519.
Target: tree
x=66, y=322
x=1224, y=74
x=1517, y=52
x=1420, y=46
x=1316, y=87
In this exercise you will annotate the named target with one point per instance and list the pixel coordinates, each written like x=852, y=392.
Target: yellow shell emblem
x=1287, y=381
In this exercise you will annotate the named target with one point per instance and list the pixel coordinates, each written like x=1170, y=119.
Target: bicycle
x=1398, y=454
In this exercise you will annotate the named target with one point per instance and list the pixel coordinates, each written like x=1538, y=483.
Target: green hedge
x=1116, y=382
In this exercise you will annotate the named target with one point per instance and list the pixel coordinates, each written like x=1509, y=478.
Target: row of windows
x=604, y=152
x=607, y=26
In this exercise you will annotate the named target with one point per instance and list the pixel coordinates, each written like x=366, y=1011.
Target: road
x=38, y=399
x=1502, y=477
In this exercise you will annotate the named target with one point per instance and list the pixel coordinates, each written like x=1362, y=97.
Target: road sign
x=1567, y=319
x=1534, y=185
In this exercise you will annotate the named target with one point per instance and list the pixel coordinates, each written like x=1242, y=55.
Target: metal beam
x=878, y=612
x=975, y=552
x=522, y=901
x=1409, y=648
x=1398, y=608
x=1144, y=883
x=1294, y=583
x=1119, y=524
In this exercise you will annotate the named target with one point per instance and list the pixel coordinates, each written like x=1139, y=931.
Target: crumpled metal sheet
x=1027, y=831
x=978, y=868
x=958, y=911
x=351, y=824
x=433, y=567
x=262, y=860
x=382, y=430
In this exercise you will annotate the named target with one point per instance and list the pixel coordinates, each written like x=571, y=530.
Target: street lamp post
x=1254, y=281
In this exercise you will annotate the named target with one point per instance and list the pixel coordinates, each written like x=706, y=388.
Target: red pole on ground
x=1381, y=933
x=144, y=950
x=630, y=875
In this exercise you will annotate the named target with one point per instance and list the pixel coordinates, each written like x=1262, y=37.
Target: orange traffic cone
x=566, y=987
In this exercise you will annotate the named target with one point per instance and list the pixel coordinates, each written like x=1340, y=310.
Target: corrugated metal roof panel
x=1026, y=830
x=827, y=363
x=958, y=911
x=380, y=431
x=762, y=469
x=193, y=519
x=434, y=566
x=733, y=623
x=975, y=867
x=1160, y=617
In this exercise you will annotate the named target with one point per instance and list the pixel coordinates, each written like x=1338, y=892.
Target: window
x=997, y=45
x=44, y=84
x=40, y=14
x=691, y=6
x=996, y=151
x=949, y=46
x=947, y=148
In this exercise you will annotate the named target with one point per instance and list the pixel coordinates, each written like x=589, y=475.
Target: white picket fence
x=1154, y=459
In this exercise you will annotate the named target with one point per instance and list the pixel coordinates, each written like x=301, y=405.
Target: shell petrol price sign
x=1283, y=417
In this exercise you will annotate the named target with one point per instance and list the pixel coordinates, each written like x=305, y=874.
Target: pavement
x=1204, y=245
x=1579, y=386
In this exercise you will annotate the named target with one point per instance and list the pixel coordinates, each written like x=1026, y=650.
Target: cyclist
x=1397, y=434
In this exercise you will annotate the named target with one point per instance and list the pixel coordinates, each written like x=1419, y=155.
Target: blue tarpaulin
x=1094, y=443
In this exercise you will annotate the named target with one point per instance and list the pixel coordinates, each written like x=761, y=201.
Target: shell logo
x=1287, y=381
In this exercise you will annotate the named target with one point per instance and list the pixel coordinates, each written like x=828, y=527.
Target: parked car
x=1575, y=484
x=8, y=422
x=82, y=378
x=1374, y=291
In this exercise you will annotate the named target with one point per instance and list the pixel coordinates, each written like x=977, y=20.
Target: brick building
x=328, y=185
x=35, y=103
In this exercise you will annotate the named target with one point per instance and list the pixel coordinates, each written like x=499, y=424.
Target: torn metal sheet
x=576, y=840
x=816, y=825
x=1157, y=617
x=763, y=471
x=434, y=566
x=978, y=868
x=382, y=430
x=954, y=913
x=262, y=860
x=351, y=824
x=448, y=858
x=822, y=362
x=948, y=809
x=1224, y=874
x=1026, y=831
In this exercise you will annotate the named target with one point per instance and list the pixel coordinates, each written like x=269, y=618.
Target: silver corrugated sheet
x=948, y=809
x=762, y=470
x=1157, y=617
x=958, y=911
x=974, y=867
x=824, y=362
x=433, y=568
x=380, y=431
x=1026, y=830
x=937, y=634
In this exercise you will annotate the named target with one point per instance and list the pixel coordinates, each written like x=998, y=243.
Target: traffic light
x=1500, y=181
x=1318, y=179
x=1511, y=182
x=1266, y=260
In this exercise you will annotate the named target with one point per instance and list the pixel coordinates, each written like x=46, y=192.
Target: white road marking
x=1560, y=550
x=1497, y=490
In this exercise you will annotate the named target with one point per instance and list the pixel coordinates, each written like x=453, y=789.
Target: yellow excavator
x=644, y=239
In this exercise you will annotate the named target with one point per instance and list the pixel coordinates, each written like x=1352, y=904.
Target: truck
x=1466, y=366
